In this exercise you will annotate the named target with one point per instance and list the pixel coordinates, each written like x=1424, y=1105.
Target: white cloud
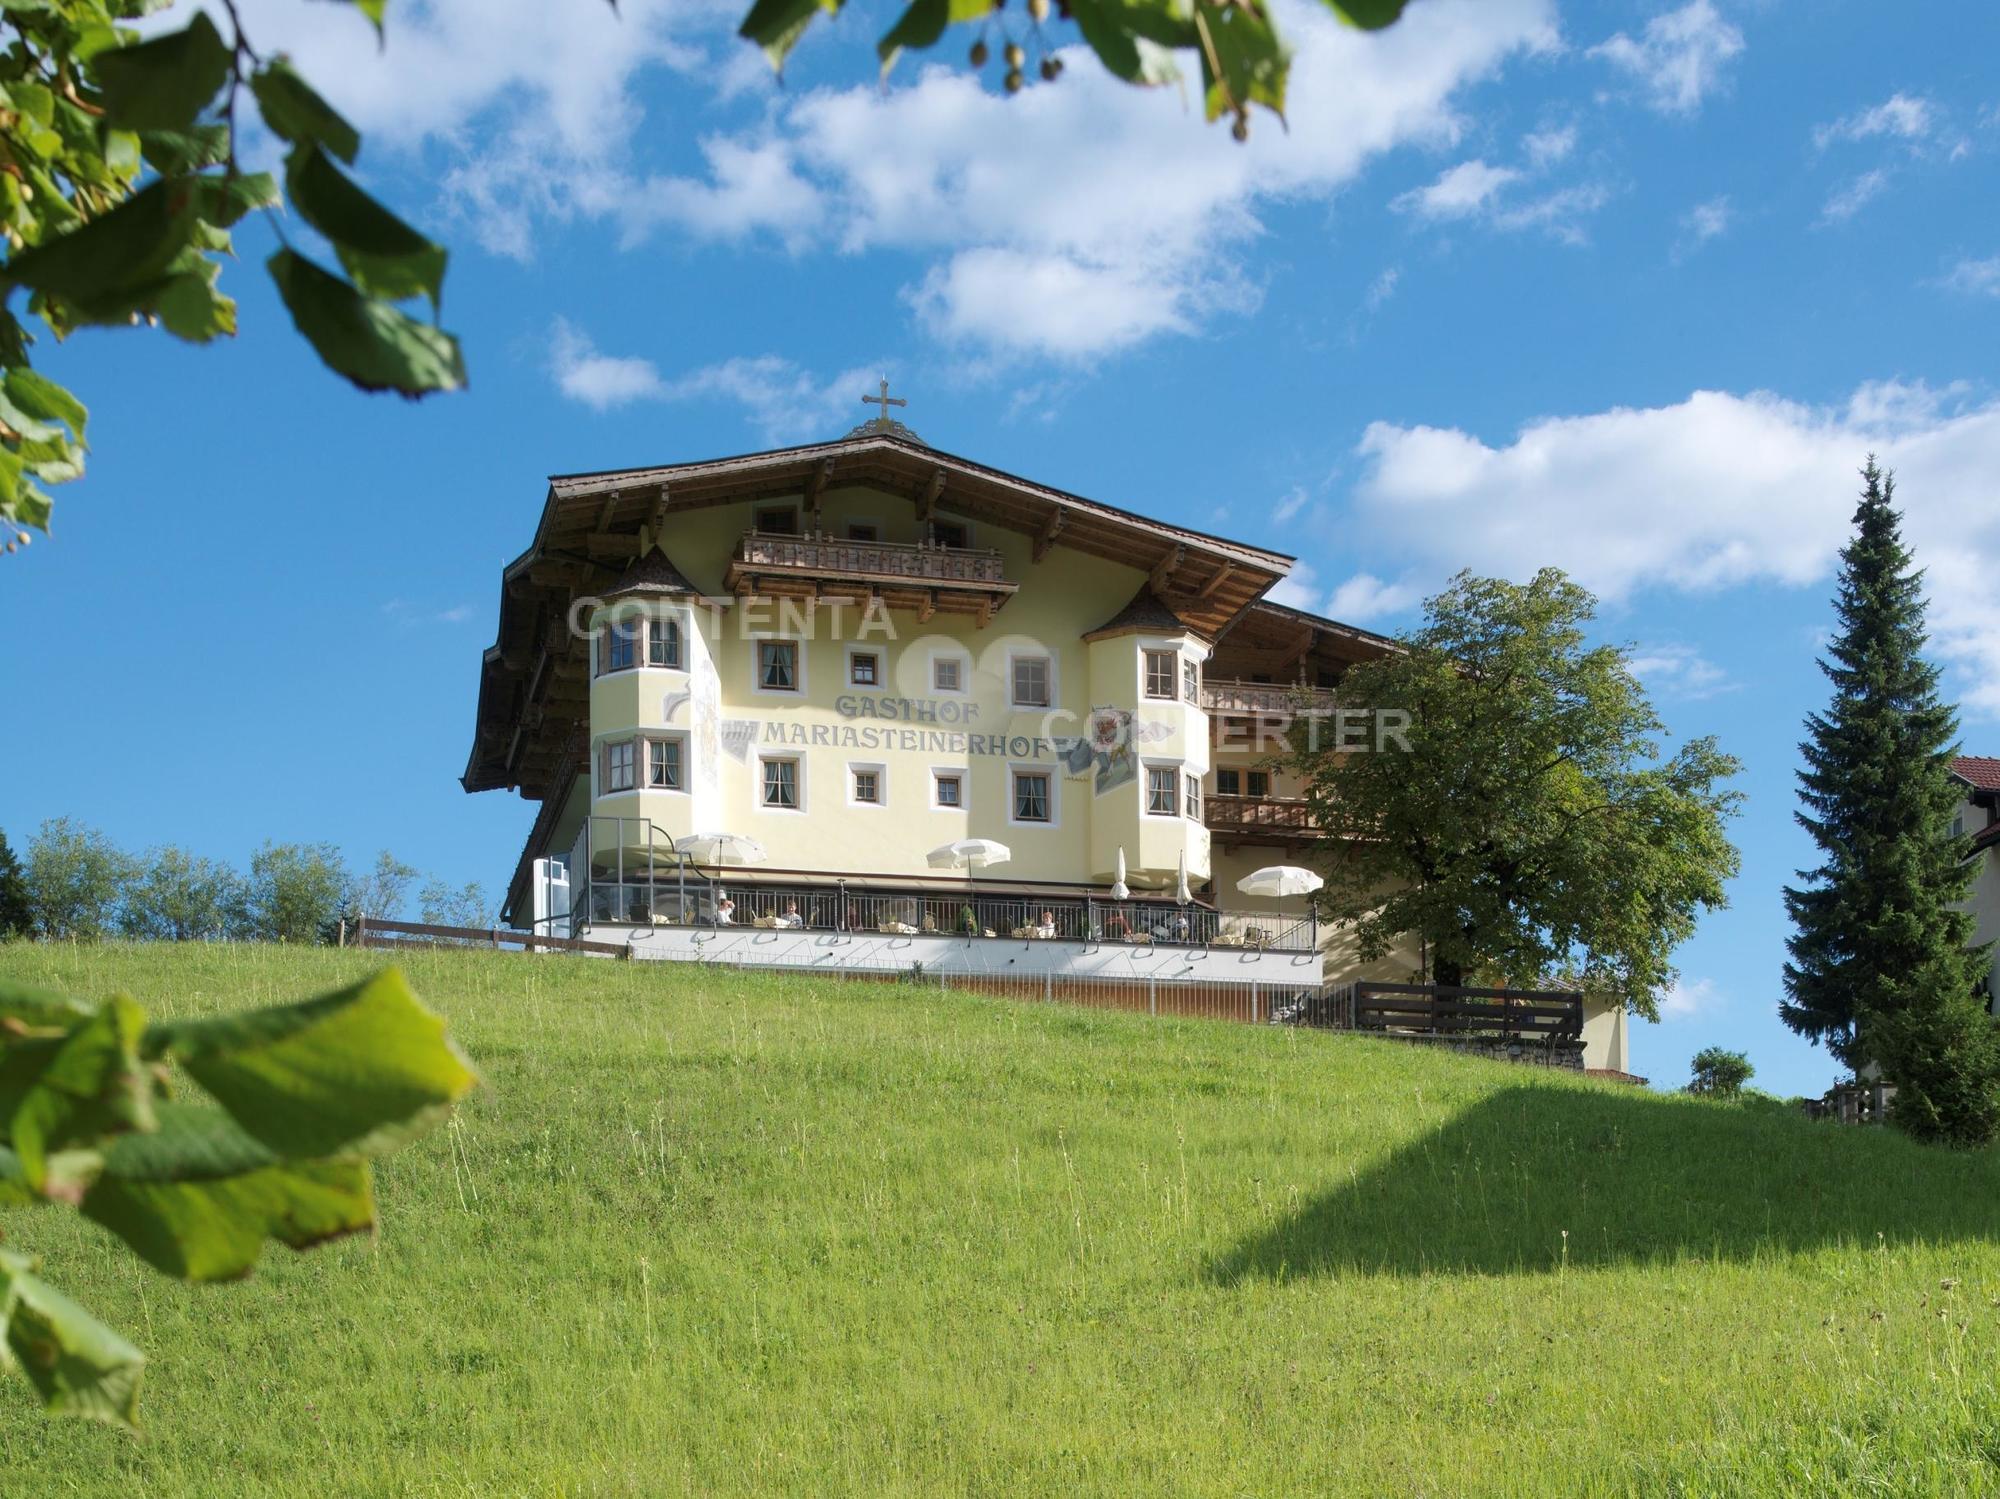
x=1706, y=221
x=1901, y=115
x=1458, y=193
x=1679, y=57
x=1545, y=148
x=1383, y=287
x=1365, y=597
x=1294, y=501
x=1852, y=196
x=1032, y=245
x=1688, y=999
x=1679, y=671
x=1979, y=278
x=599, y=381
x=1475, y=189
x=1720, y=490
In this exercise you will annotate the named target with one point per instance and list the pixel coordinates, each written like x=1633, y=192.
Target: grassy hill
x=707, y=1233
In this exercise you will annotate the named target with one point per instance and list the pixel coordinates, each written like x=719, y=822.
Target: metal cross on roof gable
x=885, y=401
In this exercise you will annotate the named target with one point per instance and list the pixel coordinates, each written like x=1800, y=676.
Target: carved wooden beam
x=1223, y=574
x=928, y=607
x=817, y=479
x=927, y=503
x=604, y=511
x=1165, y=567
x=1046, y=537
x=985, y=610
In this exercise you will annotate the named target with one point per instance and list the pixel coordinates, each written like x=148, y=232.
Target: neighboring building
x=856, y=652
x=1978, y=817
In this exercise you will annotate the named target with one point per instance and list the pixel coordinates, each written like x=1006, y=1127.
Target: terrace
x=628, y=874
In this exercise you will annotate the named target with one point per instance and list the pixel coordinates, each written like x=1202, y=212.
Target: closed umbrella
x=1118, y=887
x=969, y=853
x=1181, y=893
x=1280, y=880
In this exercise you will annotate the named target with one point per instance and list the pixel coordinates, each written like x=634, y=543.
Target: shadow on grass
x=1631, y=1178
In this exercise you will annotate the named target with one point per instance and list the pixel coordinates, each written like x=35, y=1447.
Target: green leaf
x=174, y=153
x=190, y=307
x=198, y=1198
x=369, y=342
x=776, y=25
x=924, y=22
x=1369, y=15
x=1135, y=41
x=384, y=256
x=227, y=200
x=40, y=396
x=110, y=257
x=353, y=1071
x=296, y=113
x=1242, y=60
x=76, y=1364
x=75, y=1088
x=162, y=84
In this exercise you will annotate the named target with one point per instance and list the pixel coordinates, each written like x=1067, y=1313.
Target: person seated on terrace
x=1046, y=927
x=1181, y=927
x=791, y=916
x=725, y=912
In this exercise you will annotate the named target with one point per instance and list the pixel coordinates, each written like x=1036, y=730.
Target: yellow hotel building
x=847, y=656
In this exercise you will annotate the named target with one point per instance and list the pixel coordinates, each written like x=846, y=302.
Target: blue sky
x=1627, y=288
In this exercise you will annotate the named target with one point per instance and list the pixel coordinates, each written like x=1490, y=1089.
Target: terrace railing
x=1263, y=697
x=832, y=556
x=1259, y=814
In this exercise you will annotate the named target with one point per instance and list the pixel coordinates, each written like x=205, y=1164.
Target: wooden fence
x=1457, y=1010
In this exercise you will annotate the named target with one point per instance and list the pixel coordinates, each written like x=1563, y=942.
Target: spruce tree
x=15, y=918
x=1881, y=970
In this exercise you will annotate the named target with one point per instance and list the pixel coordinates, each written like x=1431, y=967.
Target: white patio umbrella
x=1119, y=891
x=1280, y=880
x=969, y=853
x=720, y=848
x=1181, y=893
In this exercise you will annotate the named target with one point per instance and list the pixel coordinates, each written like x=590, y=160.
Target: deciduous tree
x=77, y=881
x=182, y=897
x=16, y=919
x=1882, y=969
x=1533, y=824
x=297, y=891
x=1720, y=1071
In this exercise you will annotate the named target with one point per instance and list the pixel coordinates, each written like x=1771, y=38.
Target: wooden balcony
x=1260, y=819
x=920, y=577
x=1277, y=699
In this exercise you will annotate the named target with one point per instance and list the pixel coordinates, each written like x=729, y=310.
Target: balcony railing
x=976, y=567
x=1263, y=697
x=1289, y=817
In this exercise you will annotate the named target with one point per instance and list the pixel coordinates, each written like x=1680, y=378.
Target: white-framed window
x=865, y=668
x=1160, y=670
x=1031, y=681
x=777, y=520
x=1191, y=785
x=618, y=646
x=1031, y=796
x=779, y=666
x=1191, y=681
x=948, y=674
x=948, y=788
x=620, y=768
x=1163, y=797
x=666, y=763
x=781, y=784
x=867, y=784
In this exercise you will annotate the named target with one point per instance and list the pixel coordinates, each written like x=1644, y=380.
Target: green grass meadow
x=705, y=1233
